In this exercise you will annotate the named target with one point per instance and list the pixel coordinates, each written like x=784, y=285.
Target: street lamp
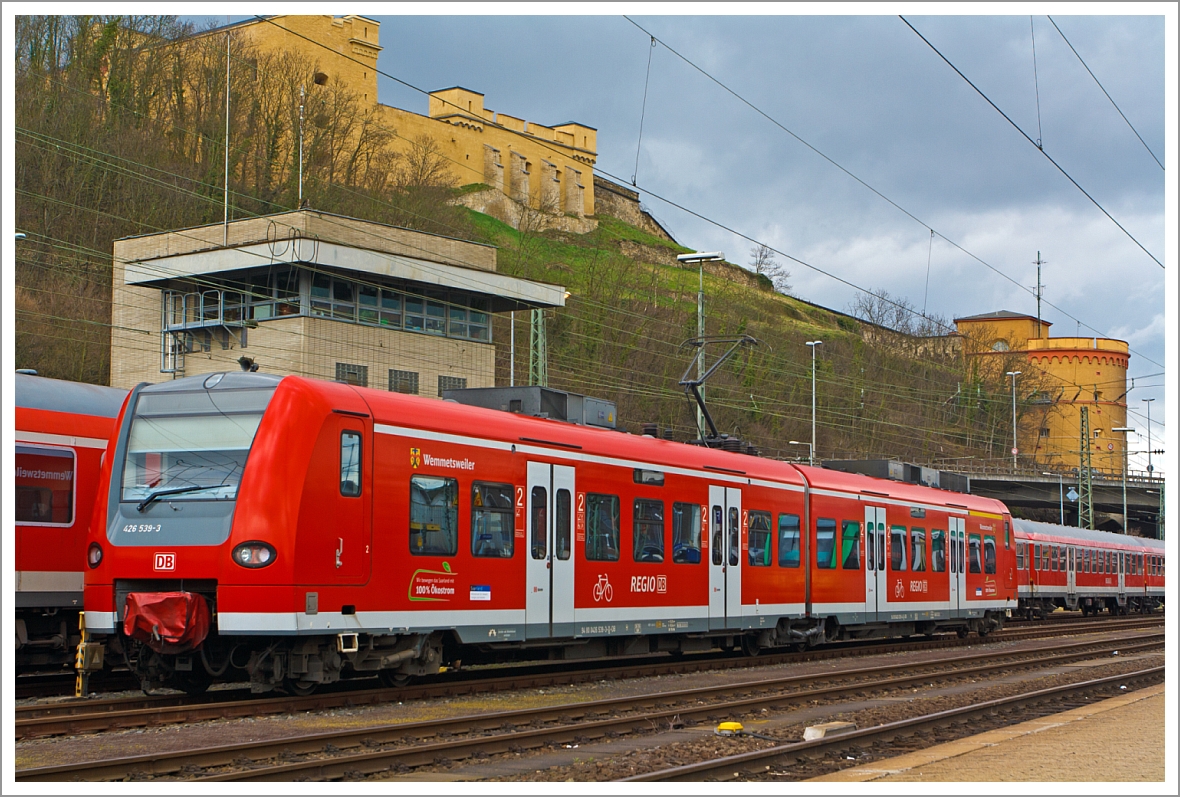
x=1015, y=450
x=700, y=258
x=810, y=457
x=1150, y=469
x=1061, y=489
x=1124, y=430
x=813, y=344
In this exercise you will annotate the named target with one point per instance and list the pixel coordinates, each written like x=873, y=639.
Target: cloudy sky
x=869, y=94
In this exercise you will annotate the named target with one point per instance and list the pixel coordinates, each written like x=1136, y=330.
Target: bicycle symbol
x=898, y=589
x=603, y=589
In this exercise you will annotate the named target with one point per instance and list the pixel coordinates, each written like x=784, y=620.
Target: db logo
x=165, y=561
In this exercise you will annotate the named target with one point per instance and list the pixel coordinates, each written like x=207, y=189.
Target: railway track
x=96, y=715
x=404, y=746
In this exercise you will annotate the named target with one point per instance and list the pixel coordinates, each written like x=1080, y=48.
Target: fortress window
x=1044, y=431
x=1000, y=345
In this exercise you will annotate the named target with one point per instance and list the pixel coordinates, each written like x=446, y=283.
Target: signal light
x=94, y=555
x=253, y=554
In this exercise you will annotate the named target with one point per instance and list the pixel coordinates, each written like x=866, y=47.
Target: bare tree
x=762, y=261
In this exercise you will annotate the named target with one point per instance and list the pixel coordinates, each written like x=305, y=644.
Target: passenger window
x=1007, y=535
x=716, y=540
x=350, y=464
x=918, y=550
x=602, y=527
x=540, y=522
x=850, y=545
x=686, y=533
x=44, y=486
x=870, y=534
x=760, y=547
x=492, y=520
x=989, y=554
x=938, y=551
x=735, y=536
x=825, y=543
x=648, y=531
x=897, y=549
x=788, y=540
x=974, y=565
x=563, y=521
x=434, y=516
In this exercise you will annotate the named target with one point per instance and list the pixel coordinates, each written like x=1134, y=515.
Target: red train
x=62, y=429
x=301, y=531
x=1074, y=568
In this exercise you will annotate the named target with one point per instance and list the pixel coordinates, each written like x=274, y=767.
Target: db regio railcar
x=62, y=430
x=294, y=531
x=1071, y=568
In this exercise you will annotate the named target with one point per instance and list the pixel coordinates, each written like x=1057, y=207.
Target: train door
x=1071, y=574
x=958, y=568
x=349, y=506
x=875, y=593
x=726, y=523
x=1122, y=567
x=549, y=577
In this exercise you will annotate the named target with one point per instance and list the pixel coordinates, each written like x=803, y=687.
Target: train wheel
x=963, y=632
x=193, y=683
x=299, y=688
x=750, y=646
x=392, y=680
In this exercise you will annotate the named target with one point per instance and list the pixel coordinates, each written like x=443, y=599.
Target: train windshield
x=191, y=446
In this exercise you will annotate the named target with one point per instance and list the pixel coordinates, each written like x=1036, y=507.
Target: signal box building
x=315, y=294
x=1070, y=373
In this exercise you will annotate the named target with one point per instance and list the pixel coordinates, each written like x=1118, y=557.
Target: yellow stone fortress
x=549, y=168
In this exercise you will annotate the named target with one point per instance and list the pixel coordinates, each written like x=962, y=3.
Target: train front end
x=162, y=538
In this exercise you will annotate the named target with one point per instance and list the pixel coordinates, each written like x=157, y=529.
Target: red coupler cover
x=169, y=622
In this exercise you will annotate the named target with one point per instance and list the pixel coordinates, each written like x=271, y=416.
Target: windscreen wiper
x=158, y=494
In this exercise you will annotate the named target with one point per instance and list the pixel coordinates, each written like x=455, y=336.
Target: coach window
x=825, y=543
x=648, y=531
x=937, y=550
x=539, y=507
x=918, y=550
x=897, y=549
x=788, y=540
x=686, y=533
x=716, y=539
x=602, y=527
x=492, y=520
x=434, y=516
x=350, y=464
x=760, y=547
x=1007, y=535
x=850, y=545
x=735, y=536
x=561, y=531
x=1054, y=558
x=989, y=554
x=974, y=565
x=1036, y=558
x=44, y=486
x=1045, y=553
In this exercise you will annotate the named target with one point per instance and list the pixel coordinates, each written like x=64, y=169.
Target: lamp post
x=810, y=456
x=700, y=258
x=1150, y=469
x=813, y=344
x=1124, y=430
x=1015, y=450
x=1061, y=489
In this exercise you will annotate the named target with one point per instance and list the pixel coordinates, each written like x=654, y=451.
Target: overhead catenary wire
x=1034, y=143
x=643, y=109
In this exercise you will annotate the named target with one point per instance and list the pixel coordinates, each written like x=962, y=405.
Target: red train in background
x=62, y=430
x=296, y=531
x=1070, y=568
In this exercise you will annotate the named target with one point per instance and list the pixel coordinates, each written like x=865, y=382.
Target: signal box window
x=352, y=374
x=974, y=565
x=897, y=549
x=686, y=533
x=825, y=543
x=44, y=486
x=492, y=520
x=434, y=516
x=451, y=383
x=918, y=550
x=350, y=464
x=403, y=381
x=989, y=554
x=788, y=540
x=648, y=537
x=760, y=546
x=602, y=527
x=850, y=545
x=937, y=550
x=717, y=540
x=561, y=530
x=540, y=506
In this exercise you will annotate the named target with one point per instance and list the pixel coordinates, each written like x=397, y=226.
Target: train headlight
x=94, y=555
x=254, y=554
